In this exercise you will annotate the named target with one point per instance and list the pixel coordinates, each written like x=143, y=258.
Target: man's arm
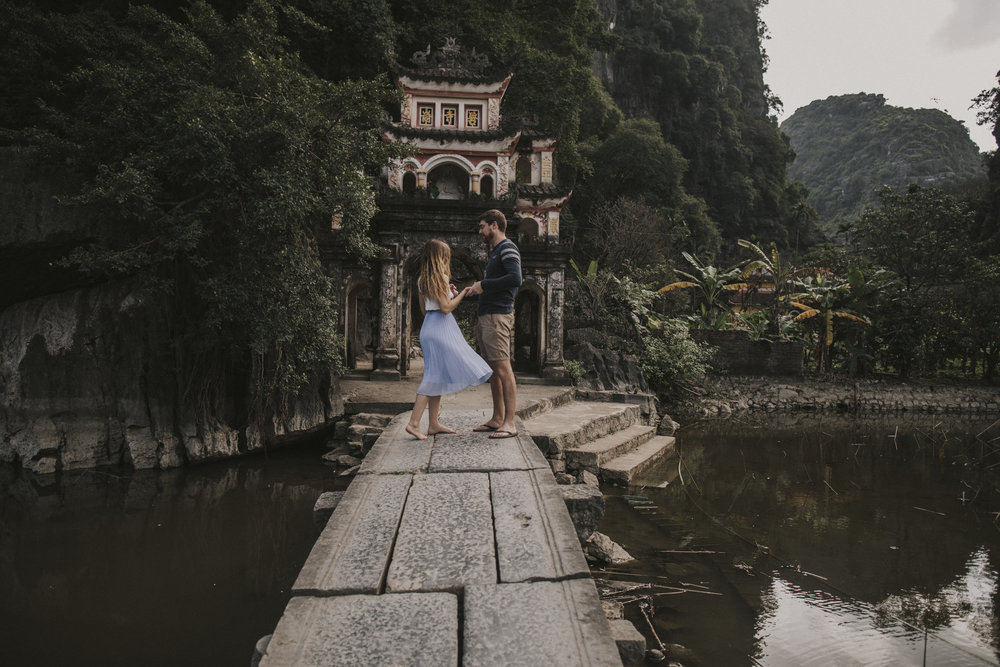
x=511, y=260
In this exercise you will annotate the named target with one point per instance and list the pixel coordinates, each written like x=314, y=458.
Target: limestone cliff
x=87, y=371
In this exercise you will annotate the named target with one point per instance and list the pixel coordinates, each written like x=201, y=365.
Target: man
x=495, y=325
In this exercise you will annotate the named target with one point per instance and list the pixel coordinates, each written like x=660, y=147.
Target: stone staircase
x=605, y=437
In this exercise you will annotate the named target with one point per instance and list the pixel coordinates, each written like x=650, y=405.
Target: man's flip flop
x=483, y=428
x=500, y=435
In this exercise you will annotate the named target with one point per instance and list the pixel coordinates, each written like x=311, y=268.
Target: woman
x=450, y=365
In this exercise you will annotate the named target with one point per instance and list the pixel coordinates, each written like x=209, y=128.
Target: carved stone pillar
x=553, y=366
x=386, y=366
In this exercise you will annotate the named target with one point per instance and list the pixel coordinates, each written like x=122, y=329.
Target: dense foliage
x=849, y=145
x=214, y=138
x=215, y=154
x=696, y=68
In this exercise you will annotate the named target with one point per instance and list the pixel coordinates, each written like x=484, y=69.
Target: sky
x=922, y=54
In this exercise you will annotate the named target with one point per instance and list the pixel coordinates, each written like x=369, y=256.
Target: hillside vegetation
x=847, y=146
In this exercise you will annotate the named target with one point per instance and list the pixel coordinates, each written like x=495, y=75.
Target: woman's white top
x=429, y=303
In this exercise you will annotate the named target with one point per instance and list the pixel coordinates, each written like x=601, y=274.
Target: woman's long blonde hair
x=435, y=271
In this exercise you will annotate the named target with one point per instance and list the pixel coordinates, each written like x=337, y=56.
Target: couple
x=450, y=365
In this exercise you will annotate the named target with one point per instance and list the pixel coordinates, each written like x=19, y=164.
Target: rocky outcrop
x=87, y=371
x=87, y=379
x=608, y=370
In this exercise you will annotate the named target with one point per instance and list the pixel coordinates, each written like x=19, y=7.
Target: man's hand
x=476, y=288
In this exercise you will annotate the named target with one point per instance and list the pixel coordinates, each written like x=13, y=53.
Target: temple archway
x=409, y=184
x=448, y=181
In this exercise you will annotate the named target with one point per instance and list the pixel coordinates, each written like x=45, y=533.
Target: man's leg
x=497, y=394
x=483, y=335
x=508, y=394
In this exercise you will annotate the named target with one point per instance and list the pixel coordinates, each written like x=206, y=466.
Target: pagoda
x=467, y=159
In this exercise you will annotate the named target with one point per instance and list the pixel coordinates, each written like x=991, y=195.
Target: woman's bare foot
x=439, y=429
x=415, y=432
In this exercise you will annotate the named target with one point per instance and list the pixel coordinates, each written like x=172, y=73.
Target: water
x=183, y=567
x=828, y=542
x=818, y=540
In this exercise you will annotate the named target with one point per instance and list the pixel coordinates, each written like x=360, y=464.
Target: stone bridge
x=456, y=549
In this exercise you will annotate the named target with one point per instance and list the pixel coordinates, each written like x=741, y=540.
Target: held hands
x=456, y=298
x=475, y=288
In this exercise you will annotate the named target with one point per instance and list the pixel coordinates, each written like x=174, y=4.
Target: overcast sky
x=923, y=54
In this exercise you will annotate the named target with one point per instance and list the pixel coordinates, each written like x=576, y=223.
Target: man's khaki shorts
x=493, y=335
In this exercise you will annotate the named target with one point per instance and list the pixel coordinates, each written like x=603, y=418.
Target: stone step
x=660, y=475
x=623, y=469
x=577, y=422
x=591, y=455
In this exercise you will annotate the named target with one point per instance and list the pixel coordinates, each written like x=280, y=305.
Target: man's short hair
x=496, y=216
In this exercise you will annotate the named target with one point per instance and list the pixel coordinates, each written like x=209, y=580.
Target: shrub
x=575, y=370
x=672, y=361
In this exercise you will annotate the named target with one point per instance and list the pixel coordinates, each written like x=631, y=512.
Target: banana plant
x=783, y=278
x=711, y=284
x=820, y=296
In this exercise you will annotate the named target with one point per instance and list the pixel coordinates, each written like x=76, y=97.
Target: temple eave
x=503, y=146
x=542, y=203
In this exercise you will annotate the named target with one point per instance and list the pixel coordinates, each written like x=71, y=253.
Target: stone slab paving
x=536, y=539
x=430, y=526
x=352, y=552
x=408, y=629
x=396, y=451
x=445, y=539
x=555, y=623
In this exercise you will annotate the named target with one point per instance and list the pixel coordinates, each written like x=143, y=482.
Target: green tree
x=988, y=114
x=636, y=163
x=979, y=303
x=213, y=156
x=922, y=237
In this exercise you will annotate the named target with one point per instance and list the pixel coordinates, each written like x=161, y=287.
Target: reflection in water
x=186, y=566
x=831, y=542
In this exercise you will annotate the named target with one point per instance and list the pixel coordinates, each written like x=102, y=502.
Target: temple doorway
x=360, y=326
x=528, y=326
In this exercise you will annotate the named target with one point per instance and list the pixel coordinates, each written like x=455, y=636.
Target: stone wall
x=728, y=395
x=738, y=355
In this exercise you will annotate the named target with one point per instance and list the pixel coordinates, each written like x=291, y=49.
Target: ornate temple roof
x=450, y=63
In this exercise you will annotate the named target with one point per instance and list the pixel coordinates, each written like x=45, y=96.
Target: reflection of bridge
x=454, y=549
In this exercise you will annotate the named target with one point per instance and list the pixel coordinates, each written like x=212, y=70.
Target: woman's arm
x=448, y=306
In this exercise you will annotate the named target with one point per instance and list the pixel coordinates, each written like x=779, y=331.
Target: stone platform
x=455, y=549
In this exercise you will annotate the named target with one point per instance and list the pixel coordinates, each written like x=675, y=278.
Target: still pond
x=816, y=541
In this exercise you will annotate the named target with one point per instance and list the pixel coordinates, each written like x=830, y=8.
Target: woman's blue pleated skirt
x=450, y=365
